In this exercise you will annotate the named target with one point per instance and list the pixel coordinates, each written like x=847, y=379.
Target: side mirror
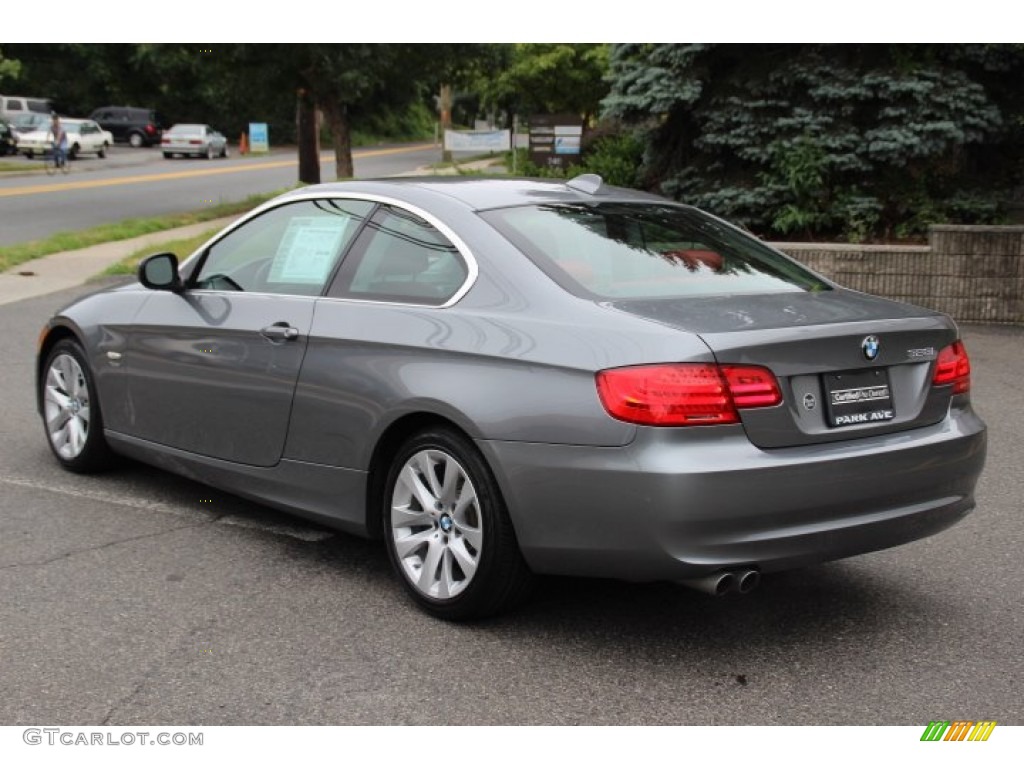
x=160, y=273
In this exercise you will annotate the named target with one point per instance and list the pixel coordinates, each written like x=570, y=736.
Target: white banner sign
x=477, y=141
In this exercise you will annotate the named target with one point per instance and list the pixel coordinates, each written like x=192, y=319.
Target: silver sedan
x=505, y=378
x=193, y=139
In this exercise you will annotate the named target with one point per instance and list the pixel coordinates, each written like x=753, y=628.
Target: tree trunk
x=444, y=105
x=309, y=138
x=341, y=137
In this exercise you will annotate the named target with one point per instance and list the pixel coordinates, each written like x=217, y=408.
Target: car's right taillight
x=953, y=367
x=685, y=394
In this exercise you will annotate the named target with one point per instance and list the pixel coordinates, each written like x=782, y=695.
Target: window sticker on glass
x=308, y=249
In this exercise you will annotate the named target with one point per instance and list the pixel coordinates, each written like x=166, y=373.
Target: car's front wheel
x=71, y=410
x=447, y=529
x=102, y=152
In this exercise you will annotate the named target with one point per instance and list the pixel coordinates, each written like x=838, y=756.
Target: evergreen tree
x=863, y=140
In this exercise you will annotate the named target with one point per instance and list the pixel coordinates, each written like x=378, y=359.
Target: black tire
x=209, y=151
x=168, y=155
x=102, y=151
x=94, y=454
x=224, y=151
x=500, y=578
x=73, y=152
x=136, y=140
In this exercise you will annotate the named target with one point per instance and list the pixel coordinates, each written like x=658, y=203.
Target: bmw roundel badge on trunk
x=870, y=347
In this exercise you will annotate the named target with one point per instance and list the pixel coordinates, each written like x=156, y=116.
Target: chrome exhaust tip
x=747, y=581
x=716, y=584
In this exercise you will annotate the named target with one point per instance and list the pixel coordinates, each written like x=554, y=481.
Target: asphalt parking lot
x=138, y=598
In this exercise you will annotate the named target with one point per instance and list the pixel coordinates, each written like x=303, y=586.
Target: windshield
x=28, y=121
x=645, y=250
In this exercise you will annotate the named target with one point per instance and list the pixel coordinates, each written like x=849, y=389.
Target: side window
x=15, y=105
x=400, y=257
x=291, y=249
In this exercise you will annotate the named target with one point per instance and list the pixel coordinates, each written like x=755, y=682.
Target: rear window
x=642, y=250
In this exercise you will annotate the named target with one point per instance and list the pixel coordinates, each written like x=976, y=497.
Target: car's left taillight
x=953, y=367
x=685, y=394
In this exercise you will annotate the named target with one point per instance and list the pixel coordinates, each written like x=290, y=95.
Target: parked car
x=26, y=122
x=193, y=139
x=16, y=105
x=84, y=137
x=139, y=127
x=503, y=378
x=8, y=139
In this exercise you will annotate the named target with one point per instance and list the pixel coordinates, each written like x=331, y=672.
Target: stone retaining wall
x=974, y=273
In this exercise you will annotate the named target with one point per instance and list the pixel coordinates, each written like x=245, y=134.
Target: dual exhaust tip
x=723, y=582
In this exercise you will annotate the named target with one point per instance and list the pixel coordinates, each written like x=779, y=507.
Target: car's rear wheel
x=136, y=140
x=71, y=410
x=447, y=529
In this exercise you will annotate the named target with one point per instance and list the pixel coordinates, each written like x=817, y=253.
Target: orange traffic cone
x=243, y=145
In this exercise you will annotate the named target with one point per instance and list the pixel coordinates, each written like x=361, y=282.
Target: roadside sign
x=259, y=137
x=555, y=140
x=477, y=141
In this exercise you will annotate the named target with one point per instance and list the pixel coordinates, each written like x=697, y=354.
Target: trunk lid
x=849, y=364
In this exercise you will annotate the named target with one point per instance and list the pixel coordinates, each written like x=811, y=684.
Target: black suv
x=139, y=127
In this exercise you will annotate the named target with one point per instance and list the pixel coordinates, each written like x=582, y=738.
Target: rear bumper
x=679, y=503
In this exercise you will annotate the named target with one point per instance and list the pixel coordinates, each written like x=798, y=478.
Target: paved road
x=131, y=183
x=141, y=598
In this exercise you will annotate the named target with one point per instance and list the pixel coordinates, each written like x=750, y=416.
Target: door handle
x=280, y=332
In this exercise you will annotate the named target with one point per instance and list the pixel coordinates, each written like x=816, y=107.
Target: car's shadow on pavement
x=793, y=613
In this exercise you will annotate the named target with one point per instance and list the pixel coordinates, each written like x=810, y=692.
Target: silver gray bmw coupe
x=503, y=378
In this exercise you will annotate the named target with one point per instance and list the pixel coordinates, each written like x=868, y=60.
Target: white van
x=16, y=105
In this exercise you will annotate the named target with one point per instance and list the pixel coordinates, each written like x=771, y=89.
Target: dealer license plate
x=858, y=397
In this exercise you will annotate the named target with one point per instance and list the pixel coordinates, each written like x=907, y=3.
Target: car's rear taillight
x=195, y=141
x=165, y=140
x=953, y=367
x=685, y=394
x=150, y=129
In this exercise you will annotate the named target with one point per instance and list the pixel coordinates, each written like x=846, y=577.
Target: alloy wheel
x=66, y=406
x=436, y=524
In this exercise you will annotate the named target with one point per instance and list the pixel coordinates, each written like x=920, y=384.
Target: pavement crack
x=106, y=545
x=176, y=656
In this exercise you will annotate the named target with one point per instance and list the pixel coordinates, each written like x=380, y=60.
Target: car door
x=90, y=137
x=212, y=370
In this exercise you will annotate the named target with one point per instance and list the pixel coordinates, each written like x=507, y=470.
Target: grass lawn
x=13, y=255
x=181, y=248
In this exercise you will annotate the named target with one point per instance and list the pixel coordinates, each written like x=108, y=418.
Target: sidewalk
x=60, y=271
